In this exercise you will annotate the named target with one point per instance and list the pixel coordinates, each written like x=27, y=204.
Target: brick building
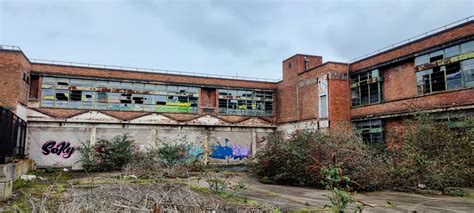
x=69, y=103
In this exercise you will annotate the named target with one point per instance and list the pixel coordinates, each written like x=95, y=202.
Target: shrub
x=300, y=159
x=172, y=154
x=427, y=153
x=432, y=154
x=107, y=155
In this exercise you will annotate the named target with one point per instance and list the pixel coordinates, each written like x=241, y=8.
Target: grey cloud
x=244, y=37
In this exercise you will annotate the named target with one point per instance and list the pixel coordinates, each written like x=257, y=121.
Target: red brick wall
x=399, y=82
x=286, y=96
x=339, y=103
x=35, y=87
x=13, y=64
x=433, y=101
x=208, y=98
x=308, y=102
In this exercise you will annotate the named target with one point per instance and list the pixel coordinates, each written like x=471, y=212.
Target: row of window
x=86, y=84
x=62, y=98
x=245, y=94
x=245, y=107
x=245, y=102
x=455, y=73
x=451, y=76
x=113, y=95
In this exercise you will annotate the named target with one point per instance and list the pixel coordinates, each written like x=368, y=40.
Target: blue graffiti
x=236, y=152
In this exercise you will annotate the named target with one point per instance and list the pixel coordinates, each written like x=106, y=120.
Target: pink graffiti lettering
x=63, y=149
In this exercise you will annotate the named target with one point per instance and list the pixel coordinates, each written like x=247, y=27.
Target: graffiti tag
x=63, y=149
x=194, y=152
x=235, y=152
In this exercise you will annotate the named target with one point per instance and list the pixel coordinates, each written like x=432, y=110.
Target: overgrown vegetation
x=107, y=155
x=120, y=153
x=425, y=154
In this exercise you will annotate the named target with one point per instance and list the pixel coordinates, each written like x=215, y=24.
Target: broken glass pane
x=468, y=72
x=62, y=95
x=453, y=76
x=76, y=95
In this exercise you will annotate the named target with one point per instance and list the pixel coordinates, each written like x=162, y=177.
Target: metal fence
x=12, y=135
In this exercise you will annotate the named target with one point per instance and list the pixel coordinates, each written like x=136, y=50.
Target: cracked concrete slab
x=290, y=197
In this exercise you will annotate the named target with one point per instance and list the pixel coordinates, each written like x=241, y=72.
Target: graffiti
x=235, y=152
x=63, y=149
x=194, y=152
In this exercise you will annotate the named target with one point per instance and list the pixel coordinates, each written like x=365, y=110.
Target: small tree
x=338, y=184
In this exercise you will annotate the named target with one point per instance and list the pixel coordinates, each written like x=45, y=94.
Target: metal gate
x=12, y=135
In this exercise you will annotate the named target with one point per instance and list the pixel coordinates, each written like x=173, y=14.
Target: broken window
x=62, y=95
x=423, y=81
x=138, y=98
x=183, y=90
x=371, y=132
x=125, y=98
x=193, y=90
x=76, y=95
x=437, y=79
x=245, y=102
x=306, y=63
x=454, y=75
x=62, y=81
x=366, y=88
x=88, y=96
x=26, y=78
x=436, y=56
x=467, y=67
x=86, y=93
x=161, y=100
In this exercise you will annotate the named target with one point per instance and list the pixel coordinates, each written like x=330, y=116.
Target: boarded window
x=323, y=106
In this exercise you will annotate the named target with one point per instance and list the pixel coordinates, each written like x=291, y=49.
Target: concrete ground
x=386, y=201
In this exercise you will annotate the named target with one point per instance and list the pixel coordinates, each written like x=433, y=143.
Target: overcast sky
x=240, y=37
